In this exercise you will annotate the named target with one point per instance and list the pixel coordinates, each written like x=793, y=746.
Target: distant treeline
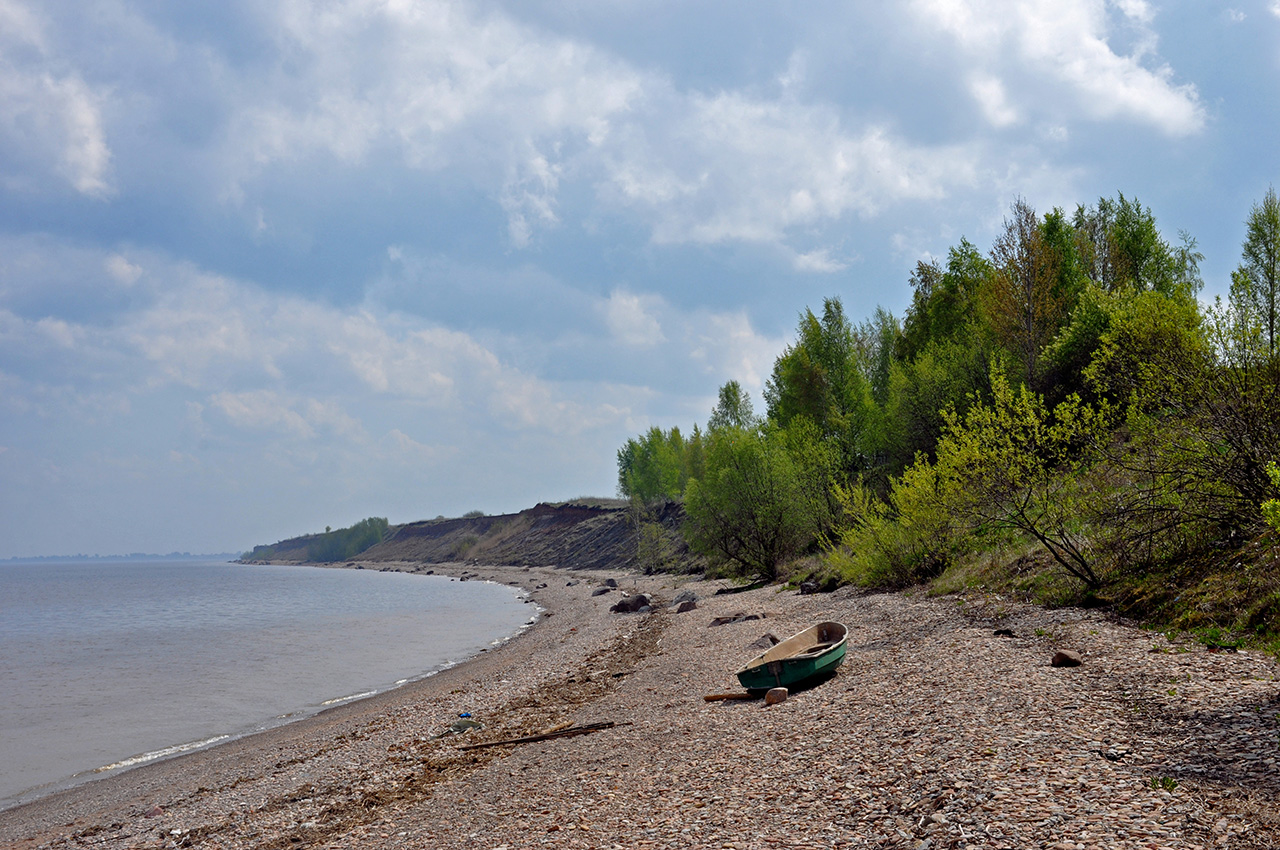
x=340, y=545
x=1063, y=394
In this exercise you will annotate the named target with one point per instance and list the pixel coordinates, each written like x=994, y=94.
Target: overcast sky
x=270, y=266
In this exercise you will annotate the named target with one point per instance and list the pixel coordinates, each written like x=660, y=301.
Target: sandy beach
x=936, y=733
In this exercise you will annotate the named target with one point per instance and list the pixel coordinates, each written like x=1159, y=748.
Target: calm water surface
x=103, y=666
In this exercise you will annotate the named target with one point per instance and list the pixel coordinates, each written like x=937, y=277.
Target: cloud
x=239, y=347
x=990, y=94
x=738, y=168
x=1068, y=41
x=630, y=322
x=262, y=409
x=50, y=118
x=526, y=115
x=818, y=261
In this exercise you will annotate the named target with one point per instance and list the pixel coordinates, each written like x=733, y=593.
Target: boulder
x=766, y=641
x=1066, y=658
x=630, y=604
x=601, y=591
x=609, y=582
x=687, y=605
x=684, y=596
x=775, y=696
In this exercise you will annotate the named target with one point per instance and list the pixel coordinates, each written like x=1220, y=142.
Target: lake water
x=108, y=665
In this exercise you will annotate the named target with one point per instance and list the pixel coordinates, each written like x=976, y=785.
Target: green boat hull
x=769, y=671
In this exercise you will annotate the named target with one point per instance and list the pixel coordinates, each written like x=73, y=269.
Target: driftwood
x=717, y=697
x=547, y=736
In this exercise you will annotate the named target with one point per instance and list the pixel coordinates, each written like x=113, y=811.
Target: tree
x=654, y=466
x=1015, y=464
x=946, y=303
x=1257, y=281
x=1025, y=303
x=733, y=410
x=755, y=508
x=820, y=377
x=1121, y=248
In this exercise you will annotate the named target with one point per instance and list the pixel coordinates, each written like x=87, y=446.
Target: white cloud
x=525, y=113
x=990, y=94
x=262, y=409
x=630, y=322
x=50, y=119
x=736, y=168
x=1067, y=41
x=445, y=86
x=122, y=271
x=728, y=346
x=818, y=261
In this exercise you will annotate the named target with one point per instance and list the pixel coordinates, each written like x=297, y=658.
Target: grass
x=1223, y=598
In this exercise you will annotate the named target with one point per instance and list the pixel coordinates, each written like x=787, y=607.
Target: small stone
x=775, y=696
x=610, y=582
x=154, y=812
x=765, y=641
x=687, y=605
x=601, y=591
x=1066, y=658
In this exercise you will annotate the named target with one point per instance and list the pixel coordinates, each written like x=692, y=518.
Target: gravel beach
x=936, y=733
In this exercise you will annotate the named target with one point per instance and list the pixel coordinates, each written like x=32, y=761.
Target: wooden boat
x=816, y=651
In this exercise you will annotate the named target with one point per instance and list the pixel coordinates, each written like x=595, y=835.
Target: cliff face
x=571, y=535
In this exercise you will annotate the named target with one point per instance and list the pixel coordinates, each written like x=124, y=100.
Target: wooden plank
x=547, y=736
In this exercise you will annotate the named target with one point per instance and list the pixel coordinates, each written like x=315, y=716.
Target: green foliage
x=1271, y=507
x=1063, y=396
x=733, y=409
x=1148, y=345
x=905, y=540
x=1032, y=291
x=947, y=374
x=660, y=464
x=1014, y=464
x=821, y=378
x=473, y=514
x=761, y=502
x=946, y=304
x=340, y=545
x=346, y=543
x=1123, y=250
x=1256, y=284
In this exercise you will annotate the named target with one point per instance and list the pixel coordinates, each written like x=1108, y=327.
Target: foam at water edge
x=349, y=697
x=159, y=754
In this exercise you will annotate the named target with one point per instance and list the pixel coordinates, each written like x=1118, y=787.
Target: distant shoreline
x=219, y=557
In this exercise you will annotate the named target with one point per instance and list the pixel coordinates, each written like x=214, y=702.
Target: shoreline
x=935, y=729
x=168, y=750
x=127, y=791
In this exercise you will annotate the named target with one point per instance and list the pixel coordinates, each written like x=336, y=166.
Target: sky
x=275, y=265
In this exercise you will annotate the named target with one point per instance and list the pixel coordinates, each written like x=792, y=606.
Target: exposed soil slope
x=574, y=535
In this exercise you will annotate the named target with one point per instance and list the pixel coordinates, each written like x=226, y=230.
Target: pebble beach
x=935, y=733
